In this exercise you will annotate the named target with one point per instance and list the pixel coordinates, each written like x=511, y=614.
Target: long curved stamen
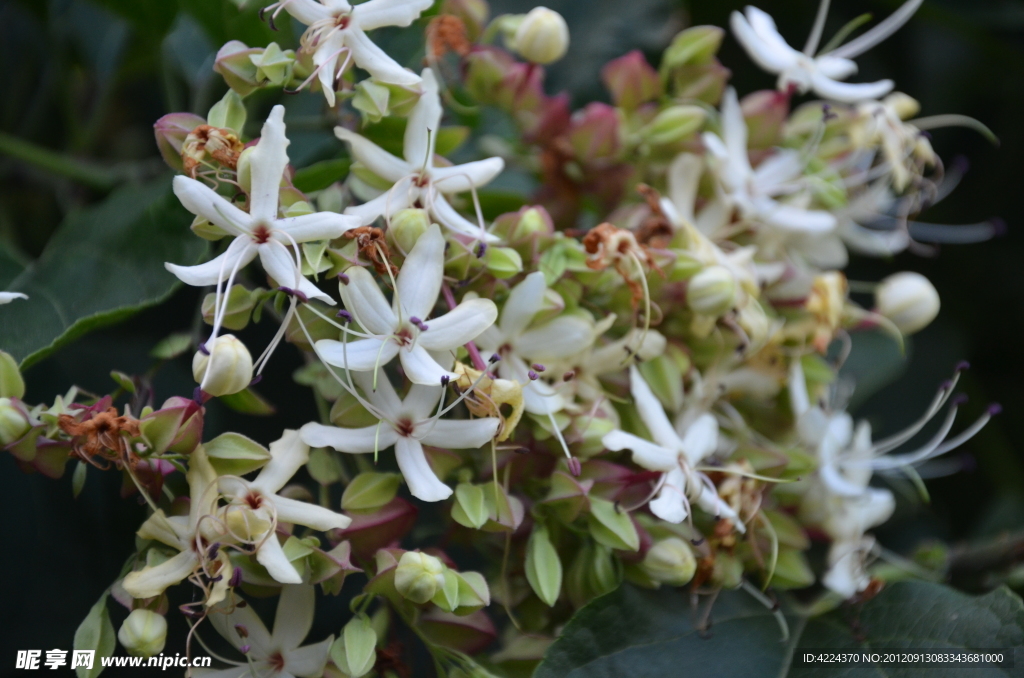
x=878, y=33
x=316, y=71
x=918, y=455
x=892, y=442
x=971, y=431
x=819, y=25
x=220, y=313
x=476, y=201
x=344, y=328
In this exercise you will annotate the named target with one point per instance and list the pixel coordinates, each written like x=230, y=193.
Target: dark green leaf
x=95, y=633
x=104, y=264
x=319, y=176
x=247, y=401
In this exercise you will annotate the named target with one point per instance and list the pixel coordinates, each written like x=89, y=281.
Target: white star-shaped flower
x=416, y=177
x=755, y=193
x=336, y=28
x=405, y=327
x=272, y=655
x=676, y=454
x=521, y=346
x=803, y=71
x=408, y=425
x=260, y=231
x=255, y=507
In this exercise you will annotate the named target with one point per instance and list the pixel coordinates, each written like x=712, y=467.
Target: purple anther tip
x=481, y=250
x=203, y=349
x=343, y=278
x=494, y=358
x=532, y=375
x=963, y=365
x=424, y=327
x=946, y=385
x=569, y=376
x=293, y=293
x=445, y=379
x=213, y=551
x=538, y=367
x=197, y=395
x=999, y=228
x=415, y=321
x=236, y=577
x=959, y=400
x=244, y=649
x=994, y=409
x=344, y=315
x=574, y=467
x=255, y=380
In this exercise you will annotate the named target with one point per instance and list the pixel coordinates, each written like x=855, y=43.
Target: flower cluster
x=635, y=377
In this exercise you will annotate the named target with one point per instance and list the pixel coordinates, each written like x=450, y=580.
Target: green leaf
x=360, y=646
x=78, y=478
x=247, y=401
x=234, y=454
x=172, y=346
x=632, y=633
x=123, y=380
x=470, y=507
x=320, y=175
x=104, y=264
x=543, y=568
x=612, y=527
x=370, y=490
x=95, y=633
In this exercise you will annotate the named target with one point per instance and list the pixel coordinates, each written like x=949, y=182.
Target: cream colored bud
x=228, y=368
x=904, y=105
x=407, y=226
x=542, y=36
x=13, y=422
x=671, y=562
x=712, y=292
x=143, y=633
x=909, y=300
x=419, y=576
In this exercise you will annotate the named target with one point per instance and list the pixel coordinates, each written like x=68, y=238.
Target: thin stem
x=100, y=178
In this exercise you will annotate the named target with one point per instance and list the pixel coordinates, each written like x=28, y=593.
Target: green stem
x=84, y=173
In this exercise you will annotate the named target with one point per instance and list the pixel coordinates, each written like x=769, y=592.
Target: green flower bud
x=355, y=652
x=712, y=292
x=407, y=226
x=503, y=262
x=234, y=64
x=909, y=300
x=228, y=368
x=542, y=36
x=670, y=561
x=674, y=124
x=228, y=113
x=273, y=65
x=11, y=383
x=143, y=633
x=419, y=576
x=694, y=46
x=13, y=421
x=371, y=100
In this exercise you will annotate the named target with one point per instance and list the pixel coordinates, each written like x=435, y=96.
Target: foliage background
x=87, y=78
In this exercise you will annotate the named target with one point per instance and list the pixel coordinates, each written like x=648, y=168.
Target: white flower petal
x=379, y=13
x=419, y=281
x=376, y=159
x=847, y=92
x=279, y=264
x=379, y=391
x=308, y=661
x=350, y=440
x=243, y=671
x=268, y=161
x=294, y=616
x=648, y=455
x=421, y=401
x=424, y=123
x=464, y=434
x=372, y=58
x=271, y=556
x=310, y=515
x=683, y=181
x=765, y=54
x=203, y=201
x=360, y=355
x=540, y=398
x=797, y=219
x=669, y=504
x=461, y=178
x=420, y=478
x=835, y=67
x=460, y=325
x=421, y=368
x=152, y=581
x=524, y=301
x=446, y=215
x=363, y=298
x=307, y=11
x=651, y=412
x=287, y=455
x=764, y=27
x=398, y=197
x=325, y=58
x=559, y=339
x=8, y=297
x=701, y=439
x=239, y=253
x=257, y=636
x=316, y=226
x=712, y=504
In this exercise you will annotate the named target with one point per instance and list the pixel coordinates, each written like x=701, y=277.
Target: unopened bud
x=503, y=262
x=273, y=65
x=909, y=300
x=674, y=124
x=234, y=64
x=371, y=100
x=712, y=292
x=13, y=421
x=228, y=368
x=904, y=105
x=143, y=633
x=542, y=36
x=171, y=132
x=419, y=576
x=670, y=561
x=631, y=80
x=407, y=226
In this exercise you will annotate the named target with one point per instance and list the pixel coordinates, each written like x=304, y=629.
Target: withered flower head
x=101, y=434
x=374, y=247
x=222, y=145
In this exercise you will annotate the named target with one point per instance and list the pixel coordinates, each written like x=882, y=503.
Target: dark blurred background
x=87, y=79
